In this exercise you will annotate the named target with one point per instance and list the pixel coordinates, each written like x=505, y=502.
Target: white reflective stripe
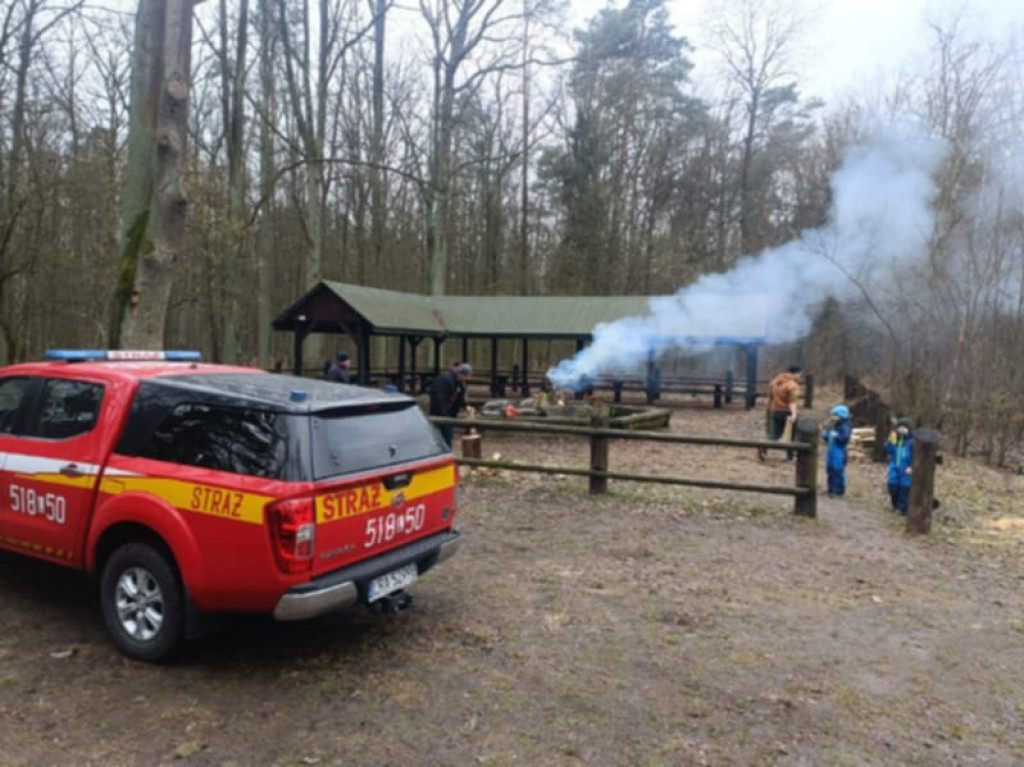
x=109, y=472
x=36, y=464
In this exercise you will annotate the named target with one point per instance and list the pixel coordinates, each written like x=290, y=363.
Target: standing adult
x=339, y=370
x=783, y=394
x=448, y=396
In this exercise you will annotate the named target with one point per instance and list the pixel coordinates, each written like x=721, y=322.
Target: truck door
x=15, y=398
x=51, y=469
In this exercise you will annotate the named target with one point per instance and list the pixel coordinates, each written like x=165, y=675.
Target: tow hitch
x=392, y=603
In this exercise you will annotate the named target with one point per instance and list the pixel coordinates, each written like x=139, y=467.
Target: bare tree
x=756, y=40
x=233, y=82
x=458, y=29
x=311, y=66
x=154, y=207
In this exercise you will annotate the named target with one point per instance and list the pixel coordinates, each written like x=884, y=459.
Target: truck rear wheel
x=141, y=598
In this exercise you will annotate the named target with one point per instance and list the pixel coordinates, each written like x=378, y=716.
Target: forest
x=495, y=147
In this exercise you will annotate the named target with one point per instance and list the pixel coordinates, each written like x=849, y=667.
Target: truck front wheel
x=141, y=597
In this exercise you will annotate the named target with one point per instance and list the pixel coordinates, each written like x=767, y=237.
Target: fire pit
x=578, y=414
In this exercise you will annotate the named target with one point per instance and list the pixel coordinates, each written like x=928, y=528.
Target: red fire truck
x=189, y=489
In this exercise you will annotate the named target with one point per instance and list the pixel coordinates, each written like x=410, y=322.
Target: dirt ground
x=651, y=626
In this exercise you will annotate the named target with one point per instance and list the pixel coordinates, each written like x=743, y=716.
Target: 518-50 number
x=387, y=526
x=50, y=506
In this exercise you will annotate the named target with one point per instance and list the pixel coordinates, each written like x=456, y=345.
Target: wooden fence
x=805, y=445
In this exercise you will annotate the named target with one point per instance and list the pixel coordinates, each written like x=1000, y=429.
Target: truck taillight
x=293, y=530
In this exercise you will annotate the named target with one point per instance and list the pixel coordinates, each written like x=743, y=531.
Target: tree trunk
x=156, y=247
x=233, y=98
x=377, y=136
x=12, y=184
x=265, y=242
x=524, y=168
x=147, y=69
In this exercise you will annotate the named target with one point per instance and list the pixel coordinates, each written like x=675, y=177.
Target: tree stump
x=472, y=445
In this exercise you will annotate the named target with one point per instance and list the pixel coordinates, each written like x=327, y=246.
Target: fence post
x=472, y=446
x=728, y=386
x=807, y=467
x=922, y=485
x=809, y=391
x=599, y=452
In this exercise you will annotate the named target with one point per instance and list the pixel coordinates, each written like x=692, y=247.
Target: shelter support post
x=751, y=395
x=363, y=353
x=465, y=349
x=401, y=364
x=496, y=391
x=437, y=356
x=300, y=336
x=414, y=342
x=526, y=367
x=653, y=389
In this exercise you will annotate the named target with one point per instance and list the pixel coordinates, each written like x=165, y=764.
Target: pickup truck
x=190, y=490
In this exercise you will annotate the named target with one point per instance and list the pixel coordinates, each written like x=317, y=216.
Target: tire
x=142, y=602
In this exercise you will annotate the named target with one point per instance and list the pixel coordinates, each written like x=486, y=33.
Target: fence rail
x=804, y=491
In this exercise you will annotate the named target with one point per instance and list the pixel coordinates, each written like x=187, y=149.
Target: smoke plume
x=880, y=219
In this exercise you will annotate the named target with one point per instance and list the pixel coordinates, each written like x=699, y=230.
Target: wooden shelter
x=362, y=313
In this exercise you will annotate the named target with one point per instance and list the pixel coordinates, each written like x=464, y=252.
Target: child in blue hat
x=837, y=435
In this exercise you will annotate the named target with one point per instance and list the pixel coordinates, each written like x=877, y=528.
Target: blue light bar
x=121, y=355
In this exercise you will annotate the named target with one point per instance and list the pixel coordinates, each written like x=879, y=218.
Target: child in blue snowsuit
x=900, y=449
x=837, y=435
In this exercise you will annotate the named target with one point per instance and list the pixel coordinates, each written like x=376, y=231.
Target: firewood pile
x=866, y=407
x=862, y=443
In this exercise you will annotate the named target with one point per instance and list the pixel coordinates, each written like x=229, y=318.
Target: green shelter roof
x=338, y=307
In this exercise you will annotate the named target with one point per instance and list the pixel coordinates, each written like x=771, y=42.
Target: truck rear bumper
x=347, y=586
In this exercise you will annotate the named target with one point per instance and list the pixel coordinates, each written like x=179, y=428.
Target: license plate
x=391, y=582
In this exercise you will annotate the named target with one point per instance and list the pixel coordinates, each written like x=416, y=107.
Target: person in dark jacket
x=900, y=450
x=837, y=436
x=339, y=371
x=448, y=396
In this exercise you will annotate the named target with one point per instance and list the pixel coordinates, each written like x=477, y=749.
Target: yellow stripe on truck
x=84, y=482
x=364, y=499
x=189, y=496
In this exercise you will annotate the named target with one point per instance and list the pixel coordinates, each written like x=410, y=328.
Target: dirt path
x=652, y=626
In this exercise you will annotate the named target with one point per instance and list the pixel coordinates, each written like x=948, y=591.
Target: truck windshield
x=351, y=440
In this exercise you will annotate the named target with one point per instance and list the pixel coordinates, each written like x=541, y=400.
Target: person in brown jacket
x=783, y=394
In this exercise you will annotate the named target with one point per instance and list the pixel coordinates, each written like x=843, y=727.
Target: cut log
x=471, y=446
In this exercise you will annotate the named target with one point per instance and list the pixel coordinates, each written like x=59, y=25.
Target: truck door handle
x=71, y=470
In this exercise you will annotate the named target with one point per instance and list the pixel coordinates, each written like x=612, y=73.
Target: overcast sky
x=853, y=43
x=850, y=44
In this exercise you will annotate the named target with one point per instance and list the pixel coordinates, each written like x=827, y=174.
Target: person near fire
x=837, y=436
x=783, y=393
x=339, y=371
x=900, y=450
x=448, y=396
